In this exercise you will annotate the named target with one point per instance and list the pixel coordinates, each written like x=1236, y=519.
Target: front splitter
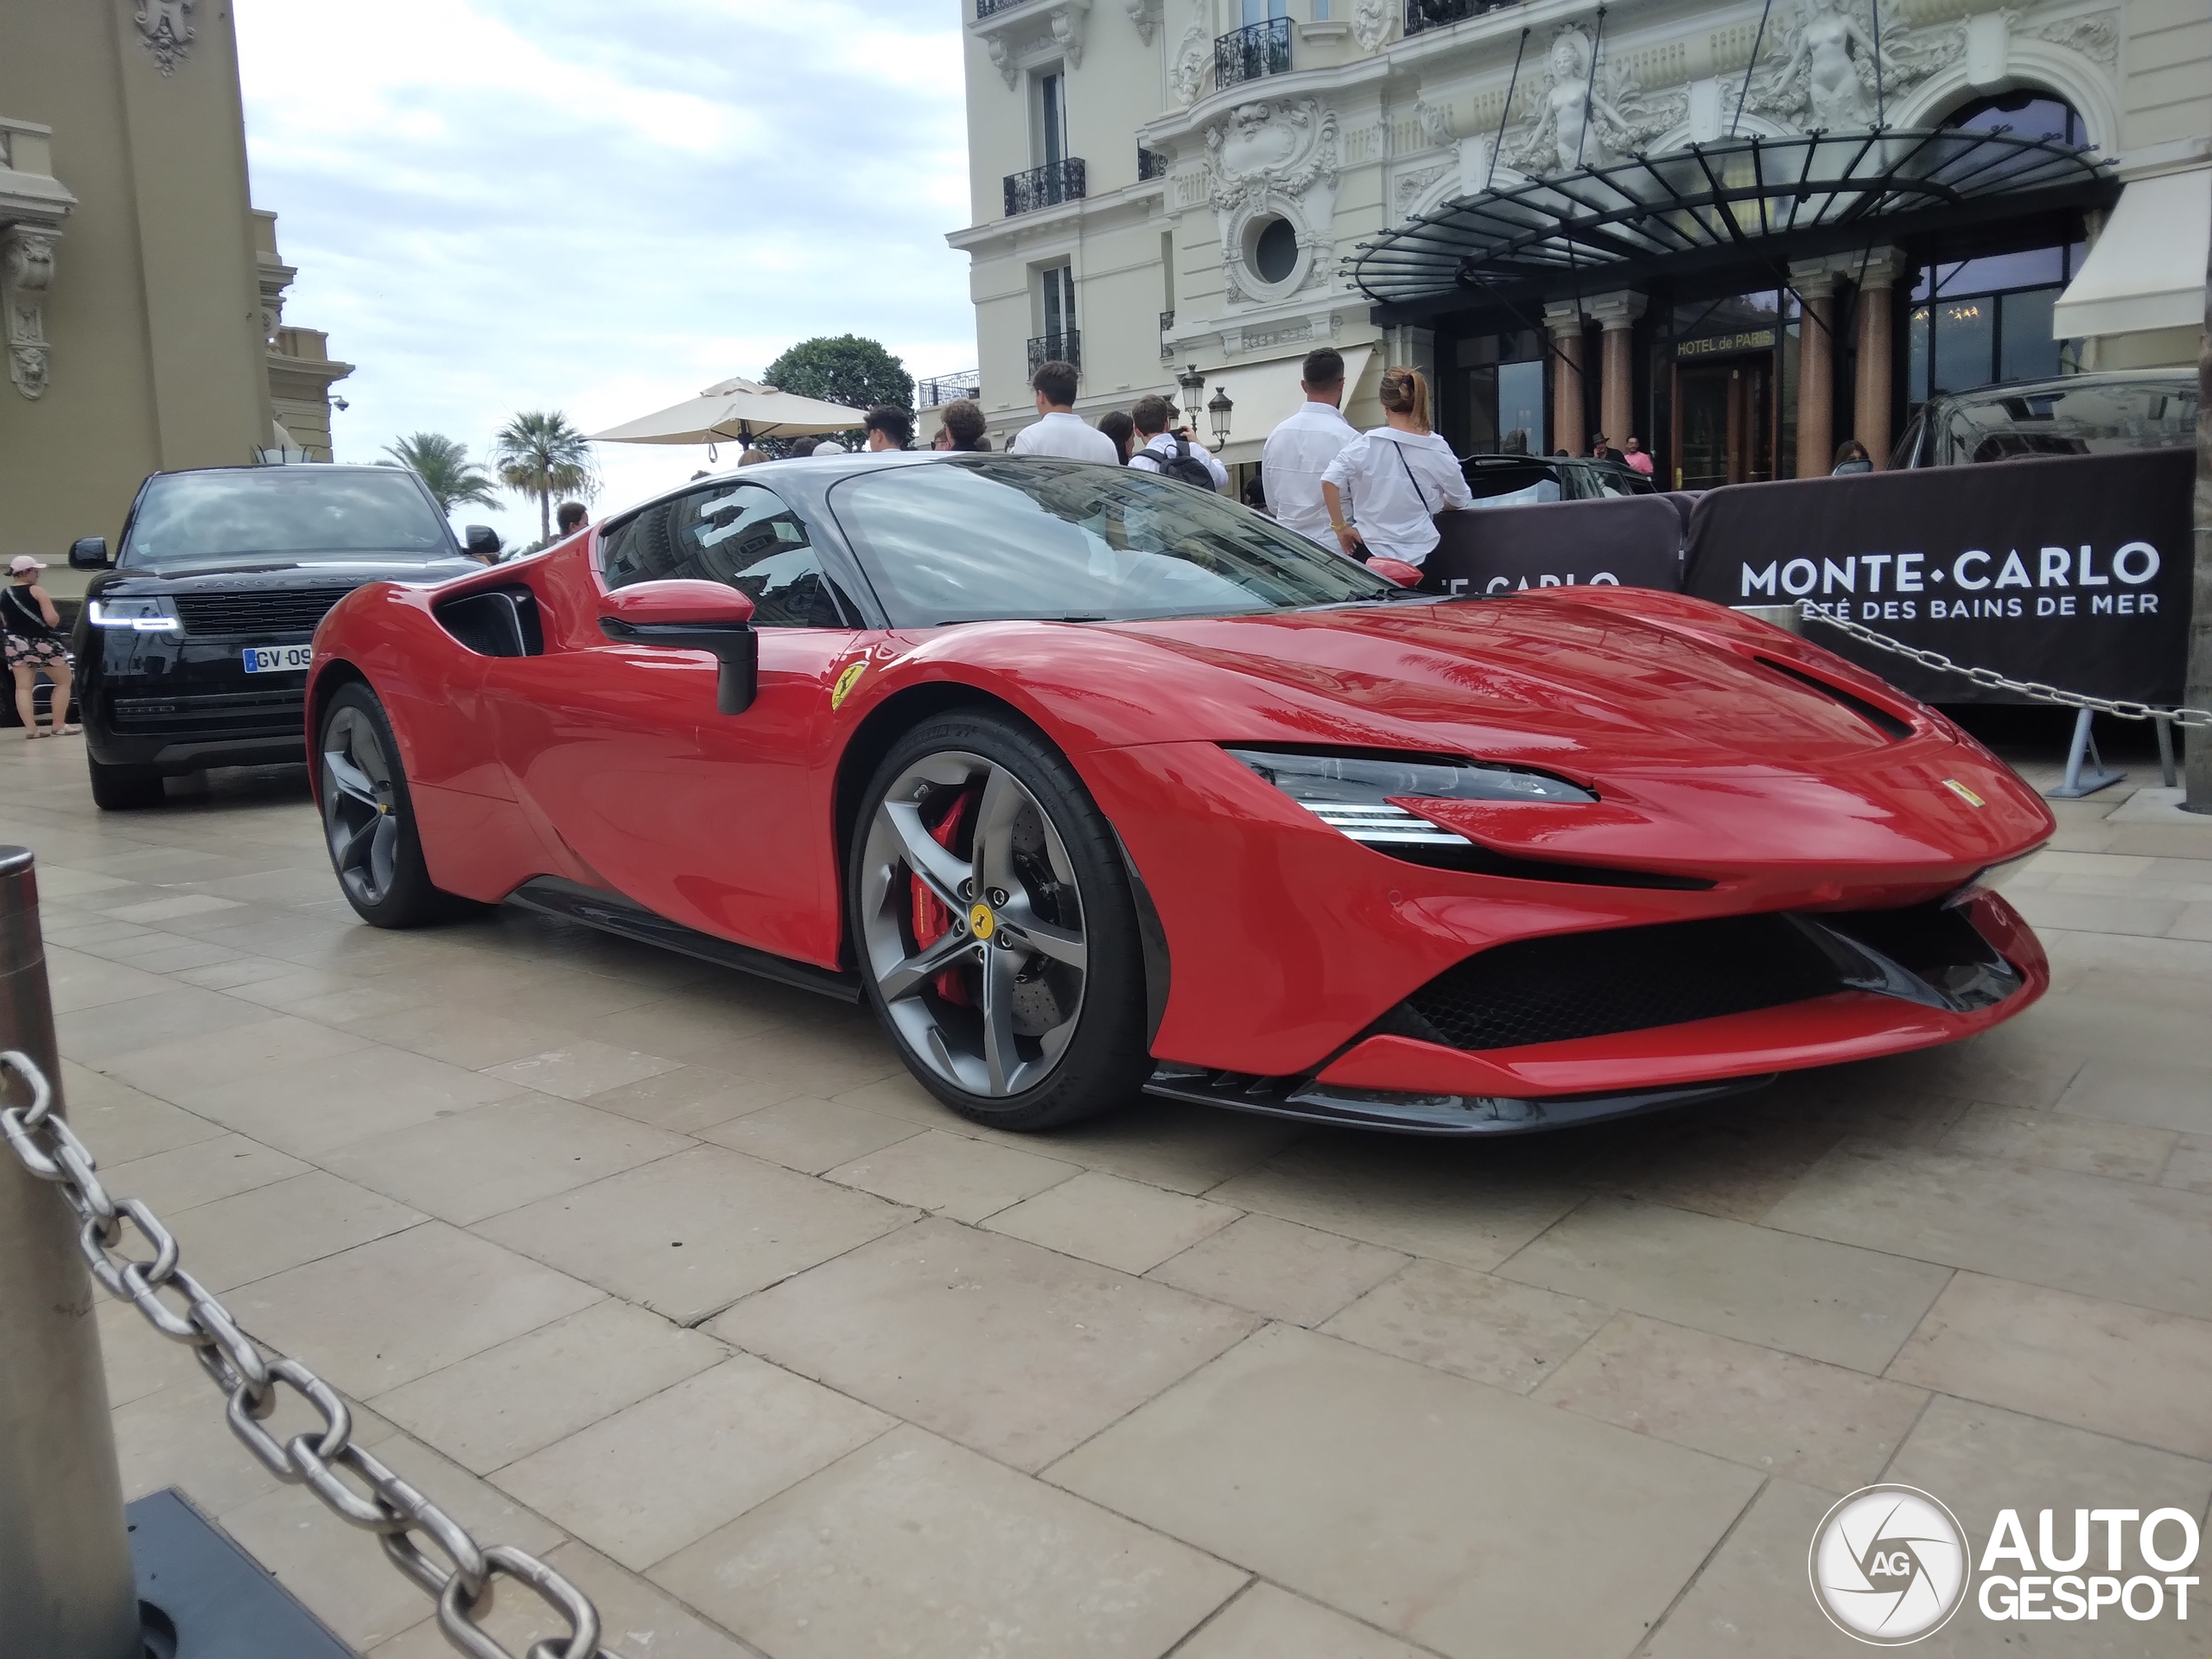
x=1398, y=1113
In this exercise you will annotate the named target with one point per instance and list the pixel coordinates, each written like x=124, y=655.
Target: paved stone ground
x=675, y=1277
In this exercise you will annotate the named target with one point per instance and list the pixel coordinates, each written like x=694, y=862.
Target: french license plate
x=278, y=659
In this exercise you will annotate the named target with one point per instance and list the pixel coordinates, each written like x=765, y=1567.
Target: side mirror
x=88, y=553
x=683, y=615
x=481, y=542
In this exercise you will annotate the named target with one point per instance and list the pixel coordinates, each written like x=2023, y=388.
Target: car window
x=306, y=514
x=1520, y=481
x=2091, y=419
x=741, y=534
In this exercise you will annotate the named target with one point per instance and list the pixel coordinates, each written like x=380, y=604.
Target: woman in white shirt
x=1385, y=487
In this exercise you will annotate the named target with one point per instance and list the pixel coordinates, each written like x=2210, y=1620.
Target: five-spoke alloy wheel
x=994, y=927
x=368, y=817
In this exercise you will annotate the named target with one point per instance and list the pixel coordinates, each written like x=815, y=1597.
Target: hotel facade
x=1741, y=232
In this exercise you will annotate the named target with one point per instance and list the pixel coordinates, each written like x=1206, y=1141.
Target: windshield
x=306, y=514
x=987, y=538
x=2091, y=419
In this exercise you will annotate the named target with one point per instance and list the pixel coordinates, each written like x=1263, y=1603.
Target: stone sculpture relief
x=1193, y=65
x=2096, y=36
x=1274, y=156
x=26, y=271
x=166, y=28
x=1586, y=120
x=1145, y=14
x=1827, y=76
x=1370, y=21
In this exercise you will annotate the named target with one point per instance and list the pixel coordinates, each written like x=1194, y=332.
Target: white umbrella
x=732, y=411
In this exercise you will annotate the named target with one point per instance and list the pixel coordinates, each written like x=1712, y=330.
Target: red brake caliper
x=932, y=921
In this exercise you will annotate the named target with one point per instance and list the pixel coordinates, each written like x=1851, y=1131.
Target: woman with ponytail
x=1385, y=487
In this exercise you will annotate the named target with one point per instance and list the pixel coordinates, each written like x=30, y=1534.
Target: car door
x=715, y=821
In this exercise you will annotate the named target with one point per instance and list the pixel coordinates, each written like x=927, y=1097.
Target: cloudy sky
x=506, y=205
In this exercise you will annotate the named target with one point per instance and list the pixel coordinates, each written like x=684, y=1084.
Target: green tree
x=444, y=464
x=843, y=368
x=540, y=455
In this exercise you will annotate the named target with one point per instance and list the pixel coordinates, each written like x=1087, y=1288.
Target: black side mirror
x=88, y=553
x=481, y=542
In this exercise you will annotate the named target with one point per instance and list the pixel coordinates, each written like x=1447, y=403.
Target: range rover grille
x=258, y=614
x=281, y=711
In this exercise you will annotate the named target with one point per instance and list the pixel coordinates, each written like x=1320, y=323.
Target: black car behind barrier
x=192, y=648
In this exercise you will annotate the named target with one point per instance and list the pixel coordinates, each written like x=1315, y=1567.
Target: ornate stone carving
x=2096, y=36
x=1002, y=60
x=1584, y=120
x=1370, y=22
x=1193, y=65
x=1067, y=34
x=1274, y=158
x=166, y=28
x=1145, y=14
x=1435, y=122
x=26, y=269
x=1413, y=186
x=1822, y=71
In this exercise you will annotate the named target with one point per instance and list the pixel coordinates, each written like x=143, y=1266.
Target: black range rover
x=193, y=649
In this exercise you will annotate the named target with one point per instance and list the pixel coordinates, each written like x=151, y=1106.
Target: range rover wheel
x=992, y=921
x=368, y=817
x=119, y=789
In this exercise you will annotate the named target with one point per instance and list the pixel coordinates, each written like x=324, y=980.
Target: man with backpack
x=1163, y=452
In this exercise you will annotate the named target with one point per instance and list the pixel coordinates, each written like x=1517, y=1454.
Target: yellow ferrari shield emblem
x=1963, y=792
x=980, y=920
x=846, y=682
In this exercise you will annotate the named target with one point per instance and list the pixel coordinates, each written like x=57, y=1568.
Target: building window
x=1503, y=380
x=1049, y=142
x=1274, y=250
x=1974, y=321
x=1058, y=339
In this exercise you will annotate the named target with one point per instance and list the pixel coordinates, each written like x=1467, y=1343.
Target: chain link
x=44, y=1144
x=1994, y=681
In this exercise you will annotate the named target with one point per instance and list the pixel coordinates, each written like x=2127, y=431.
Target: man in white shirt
x=1300, y=450
x=1163, y=450
x=1062, y=432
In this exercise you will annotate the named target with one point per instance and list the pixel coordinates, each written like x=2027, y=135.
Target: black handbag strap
x=1410, y=479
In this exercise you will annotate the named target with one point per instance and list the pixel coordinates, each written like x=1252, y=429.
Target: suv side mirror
x=481, y=542
x=88, y=553
x=682, y=614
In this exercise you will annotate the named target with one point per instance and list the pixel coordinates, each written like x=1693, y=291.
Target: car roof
x=810, y=476
x=2185, y=377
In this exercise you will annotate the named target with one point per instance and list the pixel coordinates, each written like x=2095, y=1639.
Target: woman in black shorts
x=33, y=628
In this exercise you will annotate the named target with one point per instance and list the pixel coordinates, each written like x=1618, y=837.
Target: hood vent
x=1873, y=714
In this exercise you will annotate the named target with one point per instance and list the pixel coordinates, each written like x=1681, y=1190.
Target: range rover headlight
x=150, y=614
x=1353, y=793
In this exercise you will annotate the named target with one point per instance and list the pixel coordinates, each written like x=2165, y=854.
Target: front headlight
x=1353, y=793
x=152, y=614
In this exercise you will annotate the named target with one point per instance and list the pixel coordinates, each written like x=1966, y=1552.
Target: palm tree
x=540, y=455
x=444, y=464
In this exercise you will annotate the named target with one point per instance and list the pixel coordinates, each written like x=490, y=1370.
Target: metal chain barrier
x=1996, y=682
x=454, y=1569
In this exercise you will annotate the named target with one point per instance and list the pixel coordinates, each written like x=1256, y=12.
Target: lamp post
x=1194, y=387
x=1218, y=410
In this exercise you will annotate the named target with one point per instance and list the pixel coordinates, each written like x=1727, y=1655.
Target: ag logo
x=1888, y=1565
x=846, y=682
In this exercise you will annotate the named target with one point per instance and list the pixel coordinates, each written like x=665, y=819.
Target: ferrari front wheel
x=368, y=817
x=994, y=926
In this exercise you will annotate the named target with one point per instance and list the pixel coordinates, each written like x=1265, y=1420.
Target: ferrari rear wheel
x=994, y=926
x=368, y=817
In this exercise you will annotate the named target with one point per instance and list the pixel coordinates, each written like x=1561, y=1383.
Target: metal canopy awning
x=1758, y=198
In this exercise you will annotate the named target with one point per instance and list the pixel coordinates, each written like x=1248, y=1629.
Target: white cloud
x=497, y=205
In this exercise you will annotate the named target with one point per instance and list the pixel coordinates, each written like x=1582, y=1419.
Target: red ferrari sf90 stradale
x=1089, y=782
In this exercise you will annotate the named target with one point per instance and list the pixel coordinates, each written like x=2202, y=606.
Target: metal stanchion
x=65, y=1581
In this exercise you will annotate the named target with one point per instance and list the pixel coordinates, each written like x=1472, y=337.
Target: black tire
x=124, y=789
x=1052, y=964
x=368, y=815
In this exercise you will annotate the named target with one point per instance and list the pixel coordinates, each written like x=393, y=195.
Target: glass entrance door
x=1724, y=427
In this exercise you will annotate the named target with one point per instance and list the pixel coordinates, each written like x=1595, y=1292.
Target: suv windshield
x=988, y=538
x=303, y=514
x=2089, y=419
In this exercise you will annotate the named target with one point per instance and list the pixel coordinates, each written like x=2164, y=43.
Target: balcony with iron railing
x=988, y=8
x=941, y=389
x=1065, y=346
x=1151, y=164
x=1044, y=187
x=1439, y=14
x=1251, y=52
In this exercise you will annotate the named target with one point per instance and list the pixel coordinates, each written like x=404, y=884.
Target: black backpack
x=1185, y=467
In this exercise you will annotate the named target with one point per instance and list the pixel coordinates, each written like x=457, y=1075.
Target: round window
x=1274, y=250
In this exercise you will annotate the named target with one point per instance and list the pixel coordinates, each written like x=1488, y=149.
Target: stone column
x=1570, y=427
x=1616, y=314
x=1815, y=286
x=1870, y=406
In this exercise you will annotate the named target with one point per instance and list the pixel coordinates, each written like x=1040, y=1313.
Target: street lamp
x=1194, y=387
x=1218, y=410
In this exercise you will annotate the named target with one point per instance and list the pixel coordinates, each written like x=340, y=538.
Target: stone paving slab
x=677, y=1276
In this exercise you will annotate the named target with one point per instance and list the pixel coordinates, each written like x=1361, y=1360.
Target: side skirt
x=1410, y=1114
x=553, y=895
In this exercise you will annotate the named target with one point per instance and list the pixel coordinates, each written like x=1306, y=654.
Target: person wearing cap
x=33, y=629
